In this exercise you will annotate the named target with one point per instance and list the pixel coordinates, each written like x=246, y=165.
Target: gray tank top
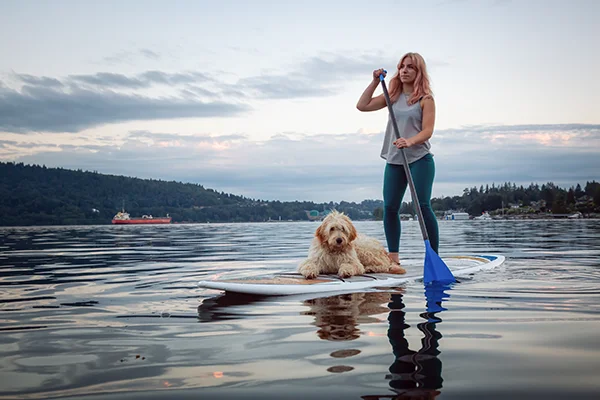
x=410, y=123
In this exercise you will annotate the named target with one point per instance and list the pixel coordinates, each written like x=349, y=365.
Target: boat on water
x=485, y=215
x=123, y=218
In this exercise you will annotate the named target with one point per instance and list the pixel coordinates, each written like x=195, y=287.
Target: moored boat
x=123, y=218
x=485, y=215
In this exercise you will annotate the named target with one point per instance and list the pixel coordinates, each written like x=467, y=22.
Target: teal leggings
x=394, y=187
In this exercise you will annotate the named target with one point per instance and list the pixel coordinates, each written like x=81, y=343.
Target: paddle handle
x=411, y=184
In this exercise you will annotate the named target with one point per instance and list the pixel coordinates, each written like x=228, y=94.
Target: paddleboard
x=289, y=283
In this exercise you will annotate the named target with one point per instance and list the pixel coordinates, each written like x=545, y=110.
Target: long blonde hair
x=421, y=86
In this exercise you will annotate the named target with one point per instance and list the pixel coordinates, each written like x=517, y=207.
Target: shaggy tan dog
x=339, y=249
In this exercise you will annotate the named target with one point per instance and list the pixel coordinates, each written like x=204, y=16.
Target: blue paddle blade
x=435, y=269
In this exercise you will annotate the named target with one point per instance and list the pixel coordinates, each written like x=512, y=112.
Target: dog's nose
x=339, y=240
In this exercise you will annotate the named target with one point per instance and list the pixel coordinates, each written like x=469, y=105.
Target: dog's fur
x=338, y=248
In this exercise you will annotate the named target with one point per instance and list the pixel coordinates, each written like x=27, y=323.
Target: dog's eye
x=343, y=229
x=331, y=229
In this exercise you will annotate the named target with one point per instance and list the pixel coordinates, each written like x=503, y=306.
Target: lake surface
x=114, y=312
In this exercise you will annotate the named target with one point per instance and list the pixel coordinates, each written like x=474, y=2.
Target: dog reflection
x=338, y=317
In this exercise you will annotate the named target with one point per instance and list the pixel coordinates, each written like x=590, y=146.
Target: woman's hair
x=421, y=84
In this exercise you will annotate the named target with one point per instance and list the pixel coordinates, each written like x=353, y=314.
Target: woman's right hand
x=378, y=72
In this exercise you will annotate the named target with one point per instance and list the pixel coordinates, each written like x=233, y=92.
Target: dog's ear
x=353, y=232
x=320, y=233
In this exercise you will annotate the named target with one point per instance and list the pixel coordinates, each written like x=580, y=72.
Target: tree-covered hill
x=36, y=195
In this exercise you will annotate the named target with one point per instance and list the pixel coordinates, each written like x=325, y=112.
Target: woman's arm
x=369, y=103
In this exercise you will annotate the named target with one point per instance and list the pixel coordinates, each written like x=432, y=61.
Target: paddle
x=435, y=269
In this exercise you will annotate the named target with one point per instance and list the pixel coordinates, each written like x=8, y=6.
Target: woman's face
x=407, y=70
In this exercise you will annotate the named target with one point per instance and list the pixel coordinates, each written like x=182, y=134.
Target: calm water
x=114, y=312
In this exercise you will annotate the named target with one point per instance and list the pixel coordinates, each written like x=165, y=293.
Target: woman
x=414, y=109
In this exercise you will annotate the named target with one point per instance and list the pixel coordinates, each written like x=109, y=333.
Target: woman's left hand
x=402, y=143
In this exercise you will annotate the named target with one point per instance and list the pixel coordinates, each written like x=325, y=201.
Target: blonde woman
x=414, y=109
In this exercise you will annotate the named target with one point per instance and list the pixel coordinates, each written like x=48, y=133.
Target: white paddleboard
x=289, y=283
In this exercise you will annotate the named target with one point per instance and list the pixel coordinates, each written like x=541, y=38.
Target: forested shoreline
x=37, y=195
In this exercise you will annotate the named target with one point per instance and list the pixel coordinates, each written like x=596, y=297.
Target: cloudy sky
x=258, y=99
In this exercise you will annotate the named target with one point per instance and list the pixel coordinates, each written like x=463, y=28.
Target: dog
x=338, y=248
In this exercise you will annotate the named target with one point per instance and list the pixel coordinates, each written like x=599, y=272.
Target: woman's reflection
x=415, y=374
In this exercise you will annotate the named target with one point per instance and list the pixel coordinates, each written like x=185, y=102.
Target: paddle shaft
x=411, y=184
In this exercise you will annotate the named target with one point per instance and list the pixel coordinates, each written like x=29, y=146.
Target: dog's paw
x=342, y=273
x=308, y=270
x=309, y=274
x=348, y=270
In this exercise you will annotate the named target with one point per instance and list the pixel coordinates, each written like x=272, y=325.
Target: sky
x=259, y=98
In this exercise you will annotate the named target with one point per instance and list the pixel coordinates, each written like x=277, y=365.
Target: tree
x=596, y=197
x=560, y=205
x=547, y=194
x=578, y=192
x=492, y=202
x=475, y=208
x=591, y=187
x=378, y=214
x=571, y=196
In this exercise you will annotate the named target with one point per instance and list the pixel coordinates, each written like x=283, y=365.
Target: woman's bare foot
x=395, y=268
x=394, y=258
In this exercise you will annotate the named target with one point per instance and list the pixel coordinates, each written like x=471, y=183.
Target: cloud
x=149, y=54
x=325, y=168
x=58, y=109
x=129, y=56
x=39, y=80
x=314, y=77
x=109, y=80
x=283, y=87
x=80, y=101
x=144, y=80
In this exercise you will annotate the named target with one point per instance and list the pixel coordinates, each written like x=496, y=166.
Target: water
x=114, y=312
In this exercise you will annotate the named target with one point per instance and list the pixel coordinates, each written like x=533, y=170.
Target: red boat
x=123, y=218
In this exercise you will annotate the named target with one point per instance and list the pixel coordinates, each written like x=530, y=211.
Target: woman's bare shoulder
x=428, y=98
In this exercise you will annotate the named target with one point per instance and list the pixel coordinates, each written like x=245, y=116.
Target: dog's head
x=336, y=231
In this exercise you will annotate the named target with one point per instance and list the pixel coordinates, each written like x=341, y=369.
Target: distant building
x=451, y=216
x=538, y=205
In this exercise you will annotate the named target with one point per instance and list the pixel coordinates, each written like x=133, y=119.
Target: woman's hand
x=378, y=72
x=402, y=143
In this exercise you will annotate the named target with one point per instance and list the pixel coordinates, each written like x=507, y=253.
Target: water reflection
x=415, y=374
x=222, y=307
x=79, y=304
x=338, y=317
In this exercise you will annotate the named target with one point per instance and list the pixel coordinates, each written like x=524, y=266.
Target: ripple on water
x=117, y=309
